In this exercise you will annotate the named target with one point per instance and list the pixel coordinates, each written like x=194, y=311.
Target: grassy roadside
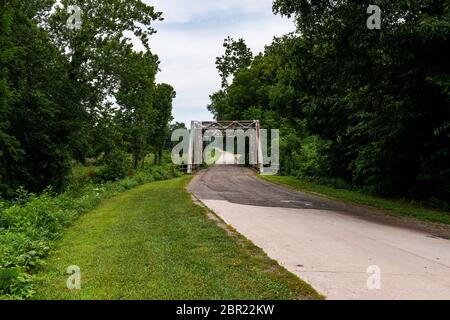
x=33, y=223
x=393, y=207
x=153, y=242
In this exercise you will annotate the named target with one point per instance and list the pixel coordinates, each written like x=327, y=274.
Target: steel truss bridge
x=224, y=129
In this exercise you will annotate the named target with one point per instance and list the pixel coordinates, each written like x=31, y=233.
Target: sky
x=191, y=37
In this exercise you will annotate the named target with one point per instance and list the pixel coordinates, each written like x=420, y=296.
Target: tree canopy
x=68, y=94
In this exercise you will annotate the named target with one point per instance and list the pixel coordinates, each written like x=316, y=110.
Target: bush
x=117, y=167
x=31, y=224
x=312, y=158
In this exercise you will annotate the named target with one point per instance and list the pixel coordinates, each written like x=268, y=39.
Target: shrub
x=312, y=158
x=117, y=166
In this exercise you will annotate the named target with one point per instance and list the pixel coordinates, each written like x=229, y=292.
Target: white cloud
x=181, y=11
x=191, y=36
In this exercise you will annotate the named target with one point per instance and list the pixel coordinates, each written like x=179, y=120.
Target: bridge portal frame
x=195, y=153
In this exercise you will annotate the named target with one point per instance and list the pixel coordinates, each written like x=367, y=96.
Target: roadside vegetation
x=394, y=207
x=80, y=114
x=31, y=224
x=153, y=242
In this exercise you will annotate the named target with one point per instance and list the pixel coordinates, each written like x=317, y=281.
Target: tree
x=237, y=55
x=366, y=107
x=376, y=95
x=164, y=95
x=35, y=131
x=136, y=99
x=94, y=56
x=68, y=94
x=9, y=146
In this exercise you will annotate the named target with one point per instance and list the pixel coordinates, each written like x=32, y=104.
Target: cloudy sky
x=191, y=36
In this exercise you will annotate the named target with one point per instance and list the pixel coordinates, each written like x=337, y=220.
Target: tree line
x=357, y=108
x=71, y=94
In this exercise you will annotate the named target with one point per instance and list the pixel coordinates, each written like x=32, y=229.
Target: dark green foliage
x=135, y=96
x=116, y=166
x=57, y=86
x=34, y=122
x=375, y=101
x=164, y=95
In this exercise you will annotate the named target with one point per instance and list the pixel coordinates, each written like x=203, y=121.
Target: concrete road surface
x=344, y=252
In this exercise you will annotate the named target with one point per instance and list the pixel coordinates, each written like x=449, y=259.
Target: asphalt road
x=343, y=251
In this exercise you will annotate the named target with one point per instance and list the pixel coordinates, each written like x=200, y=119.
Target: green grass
x=153, y=242
x=392, y=207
